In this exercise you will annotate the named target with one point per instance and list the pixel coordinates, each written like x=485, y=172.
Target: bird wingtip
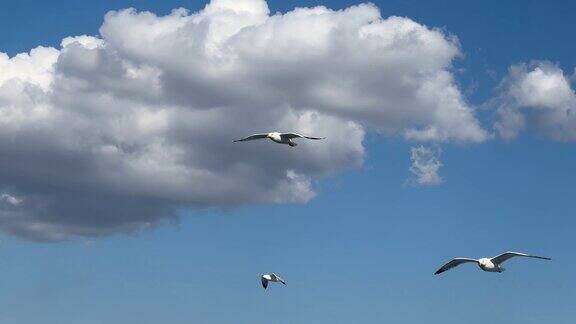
x=541, y=257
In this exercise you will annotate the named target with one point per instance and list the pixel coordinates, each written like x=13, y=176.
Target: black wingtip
x=541, y=257
x=438, y=272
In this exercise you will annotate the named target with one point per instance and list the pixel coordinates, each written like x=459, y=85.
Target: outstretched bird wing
x=264, y=282
x=507, y=255
x=280, y=279
x=252, y=137
x=454, y=263
x=294, y=135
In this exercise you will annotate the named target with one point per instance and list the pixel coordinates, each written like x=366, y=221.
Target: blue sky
x=365, y=248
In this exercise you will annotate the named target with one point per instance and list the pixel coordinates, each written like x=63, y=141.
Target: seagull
x=281, y=138
x=486, y=264
x=271, y=277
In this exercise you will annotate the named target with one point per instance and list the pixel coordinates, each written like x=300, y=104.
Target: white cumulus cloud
x=117, y=132
x=537, y=95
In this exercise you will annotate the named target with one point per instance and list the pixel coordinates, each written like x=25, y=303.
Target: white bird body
x=272, y=277
x=280, y=138
x=487, y=264
x=277, y=137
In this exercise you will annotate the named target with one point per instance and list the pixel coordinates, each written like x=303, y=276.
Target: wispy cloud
x=10, y=199
x=425, y=166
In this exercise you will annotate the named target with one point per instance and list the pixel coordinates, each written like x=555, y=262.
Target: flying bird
x=271, y=277
x=486, y=264
x=281, y=138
